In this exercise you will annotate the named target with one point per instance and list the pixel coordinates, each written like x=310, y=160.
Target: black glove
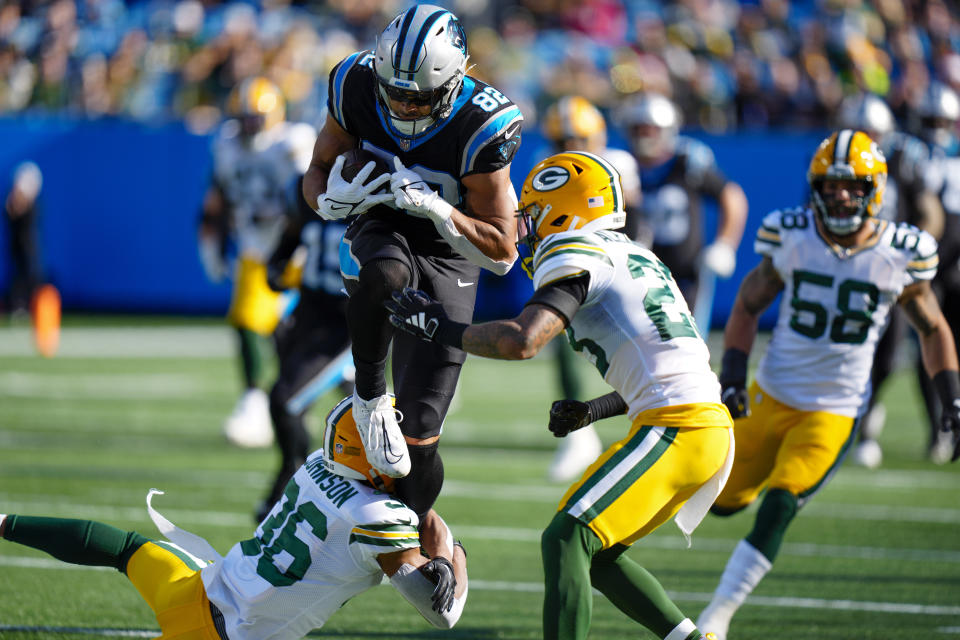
x=947, y=384
x=567, y=416
x=439, y=571
x=733, y=383
x=417, y=313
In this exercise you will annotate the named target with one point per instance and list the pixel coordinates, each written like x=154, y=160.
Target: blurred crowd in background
x=728, y=65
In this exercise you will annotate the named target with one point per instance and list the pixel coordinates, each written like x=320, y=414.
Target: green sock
x=635, y=591
x=250, y=357
x=778, y=508
x=75, y=541
x=567, y=547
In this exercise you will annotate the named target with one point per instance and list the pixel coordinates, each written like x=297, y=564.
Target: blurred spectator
x=21, y=211
x=726, y=65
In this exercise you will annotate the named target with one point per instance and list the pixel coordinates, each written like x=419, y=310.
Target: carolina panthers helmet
x=575, y=119
x=867, y=112
x=939, y=112
x=847, y=155
x=343, y=451
x=257, y=103
x=570, y=190
x=652, y=122
x=420, y=58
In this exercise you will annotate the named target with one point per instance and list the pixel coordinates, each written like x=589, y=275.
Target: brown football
x=356, y=159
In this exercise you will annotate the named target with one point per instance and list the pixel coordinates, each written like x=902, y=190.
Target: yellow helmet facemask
x=573, y=118
x=258, y=103
x=847, y=155
x=572, y=190
x=343, y=452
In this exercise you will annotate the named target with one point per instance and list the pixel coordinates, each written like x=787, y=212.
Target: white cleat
x=868, y=454
x=249, y=426
x=381, y=436
x=576, y=452
x=942, y=449
x=713, y=627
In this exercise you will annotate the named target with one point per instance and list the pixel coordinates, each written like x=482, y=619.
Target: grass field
x=128, y=405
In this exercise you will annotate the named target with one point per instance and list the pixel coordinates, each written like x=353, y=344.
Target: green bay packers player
x=334, y=534
x=623, y=311
x=257, y=159
x=573, y=123
x=841, y=270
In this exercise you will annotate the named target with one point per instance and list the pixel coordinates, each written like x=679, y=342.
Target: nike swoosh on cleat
x=460, y=283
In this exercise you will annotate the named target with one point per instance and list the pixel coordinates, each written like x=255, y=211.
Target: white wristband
x=464, y=247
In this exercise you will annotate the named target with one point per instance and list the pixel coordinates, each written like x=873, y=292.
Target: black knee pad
x=379, y=278
x=419, y=488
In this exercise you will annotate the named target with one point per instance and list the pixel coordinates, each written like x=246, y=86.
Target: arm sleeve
x=417, y=590
x=563, y=296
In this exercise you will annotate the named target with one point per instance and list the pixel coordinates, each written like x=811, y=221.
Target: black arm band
x=563, y=296
x=947, y=384
x=611, y=404
x=451, y=333
x=733, y=368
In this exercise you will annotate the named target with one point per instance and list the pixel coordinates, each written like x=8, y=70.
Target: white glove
x=344, y=198
x=213, y=263
x=413, y=194
x=720, y=258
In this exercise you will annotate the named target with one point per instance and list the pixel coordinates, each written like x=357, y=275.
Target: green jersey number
x=850, y=326
x=286, y=541
x=671, y=317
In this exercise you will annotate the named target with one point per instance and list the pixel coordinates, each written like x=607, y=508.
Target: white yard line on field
x=127, y=342
x=91, y=386
x=197, y=519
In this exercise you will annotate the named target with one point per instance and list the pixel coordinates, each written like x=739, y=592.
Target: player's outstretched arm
x=417, y=581
x=757, y=291
x=939, y=353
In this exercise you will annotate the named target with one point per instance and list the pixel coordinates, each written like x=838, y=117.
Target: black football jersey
x=480, y=135
x=672, y=203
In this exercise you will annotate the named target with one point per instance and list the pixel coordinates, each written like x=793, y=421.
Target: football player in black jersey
x=313, y=344
x=676, y=173
x=906, y=199
x=452, y=211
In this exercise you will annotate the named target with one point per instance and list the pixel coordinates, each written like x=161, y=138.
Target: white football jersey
x=634, y=325
x=317, y=549
x=257, y=179
x=834, y=307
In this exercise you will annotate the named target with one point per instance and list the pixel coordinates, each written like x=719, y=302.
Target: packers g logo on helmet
x=343, y=452
x=572, y=190
x=550, y=178
x=847, y=155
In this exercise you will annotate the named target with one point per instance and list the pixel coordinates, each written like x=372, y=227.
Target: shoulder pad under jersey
x=775, y=224
x=920, y=248
x=567, y=254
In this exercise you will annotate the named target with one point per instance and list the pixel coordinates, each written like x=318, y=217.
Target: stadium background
x=121, y=202
x=117, y=102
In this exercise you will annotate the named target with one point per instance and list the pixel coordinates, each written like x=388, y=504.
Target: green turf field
x=127, y=406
